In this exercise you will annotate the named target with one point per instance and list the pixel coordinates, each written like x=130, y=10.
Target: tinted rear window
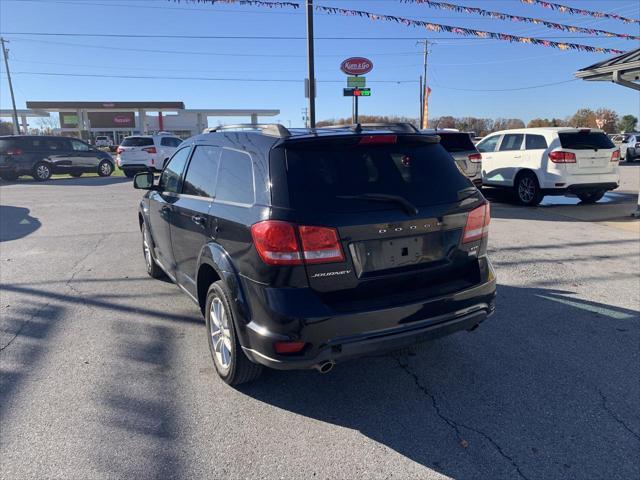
x=422, y=173
x=137, y=142
x=6, y=144
x=456, y=142
x=585, y=140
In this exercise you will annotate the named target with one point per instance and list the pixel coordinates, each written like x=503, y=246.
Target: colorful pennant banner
x=252, y=3
x=579, y=11
x=517, y=18
x=469, y=32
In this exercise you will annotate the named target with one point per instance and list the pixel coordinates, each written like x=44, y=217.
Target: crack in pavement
x=24, y=324
x=75, y=271
x=457, y=425
x=615, y=417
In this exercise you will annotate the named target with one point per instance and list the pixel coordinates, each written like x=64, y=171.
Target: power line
x=530, y=87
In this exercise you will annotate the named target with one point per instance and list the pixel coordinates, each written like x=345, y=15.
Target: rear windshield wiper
x=408, y=207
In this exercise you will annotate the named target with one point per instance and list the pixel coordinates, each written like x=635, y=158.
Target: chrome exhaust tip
x=325, y=367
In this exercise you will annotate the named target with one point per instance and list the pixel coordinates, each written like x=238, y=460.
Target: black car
x=304, y=248
x=41, y=156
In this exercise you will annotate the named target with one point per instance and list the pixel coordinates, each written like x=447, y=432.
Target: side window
x=202, y=172
x=170, y=142
x=79, y=146
x=535, y=142
x=170, y=178
x=235, y=180
x=488, y=144
x=56, y=144
x=511, y=142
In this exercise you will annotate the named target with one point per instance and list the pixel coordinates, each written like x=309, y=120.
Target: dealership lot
x=106, y=373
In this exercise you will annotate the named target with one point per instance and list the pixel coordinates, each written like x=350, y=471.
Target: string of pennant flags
x=469, y=32
x=252, y=3
x=518, y=18
x=579, y=11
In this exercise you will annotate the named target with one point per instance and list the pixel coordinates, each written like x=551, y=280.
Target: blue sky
x=456, y=65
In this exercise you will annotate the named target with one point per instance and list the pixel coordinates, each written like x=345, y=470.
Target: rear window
x=137, y=142
x=422, y=173
x=585, y=140
x=456, y=142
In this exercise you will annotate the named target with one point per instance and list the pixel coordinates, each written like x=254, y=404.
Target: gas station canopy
x=623, y=69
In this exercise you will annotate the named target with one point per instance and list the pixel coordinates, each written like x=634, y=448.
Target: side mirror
x=143, y=181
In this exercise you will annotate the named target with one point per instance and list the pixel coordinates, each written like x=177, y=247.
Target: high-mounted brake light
x=277, y=243
x=150, y=150
x=477, y=225
x=615, y=156
x=378, y=139
x=475, y=157
x=562, y=157
x=14, y=151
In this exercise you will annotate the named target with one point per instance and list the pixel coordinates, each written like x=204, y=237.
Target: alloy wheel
x=526, y=189
x=105, y=169
x=220, y=331
x=147, y=249
x=43, y=172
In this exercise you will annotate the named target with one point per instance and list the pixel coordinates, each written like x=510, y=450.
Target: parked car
x=535, y=162
x=304, y=248
x=145, y=152
x=41, y=156
x=630, y=146
x=103, y=141
x=463, y=151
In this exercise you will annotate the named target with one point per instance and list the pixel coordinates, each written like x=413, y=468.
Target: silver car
x=464, y=152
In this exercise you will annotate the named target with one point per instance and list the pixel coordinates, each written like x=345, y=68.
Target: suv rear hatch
x=136, y=150
x=590, y=152
x=398, y=207
x=464, y=152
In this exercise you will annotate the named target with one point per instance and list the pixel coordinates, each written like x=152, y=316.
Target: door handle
x=517, y=156
x=165, y=209
x=198, y=220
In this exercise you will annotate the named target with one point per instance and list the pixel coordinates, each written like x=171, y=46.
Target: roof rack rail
x=401, y=127
x=272, y=129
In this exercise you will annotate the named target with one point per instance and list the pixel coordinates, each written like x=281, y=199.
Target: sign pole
x=311, y=66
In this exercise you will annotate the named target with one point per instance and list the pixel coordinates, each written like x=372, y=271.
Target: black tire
x=153, y=269
x=591, y=197
x=527, y=189
x=239, y=369
x=129, y=173
x=42, y=172
x=628, y=157
x=76, y=174
x=105, y=168
x=9, y=177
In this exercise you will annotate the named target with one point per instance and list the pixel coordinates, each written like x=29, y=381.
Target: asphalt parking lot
x=106, y=372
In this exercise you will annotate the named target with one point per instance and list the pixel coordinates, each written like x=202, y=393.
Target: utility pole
x=424, y=97
x=5, y=52
x=311, y=66
x=420, y=93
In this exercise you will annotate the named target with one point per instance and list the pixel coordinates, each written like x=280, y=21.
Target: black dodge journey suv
x=308, y=247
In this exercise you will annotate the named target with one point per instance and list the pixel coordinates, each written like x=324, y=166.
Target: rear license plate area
x=386, y=254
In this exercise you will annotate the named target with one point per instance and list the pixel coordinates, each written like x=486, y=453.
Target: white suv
x=535, y=162
x=103, y=141
x=630, y=146
x=145, y=152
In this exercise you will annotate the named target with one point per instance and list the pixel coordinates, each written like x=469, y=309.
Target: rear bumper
x=581, y=187
x=339, y=336
x=136, y=167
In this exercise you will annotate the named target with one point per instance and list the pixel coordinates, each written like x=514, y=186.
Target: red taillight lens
x=288, y=347
x=150, y=150
x=276, y=243
x=562, y=157
x=615, y=156
x=378, y=139
x=477, y=225
x=320, y=245
x=475, y=157
x=14, y=151
x=119, y=150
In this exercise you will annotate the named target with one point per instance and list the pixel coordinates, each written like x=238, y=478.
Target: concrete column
x=254, y=118
x=80, y=122
x=143, y=121
x=199, y=123
x=25, y=125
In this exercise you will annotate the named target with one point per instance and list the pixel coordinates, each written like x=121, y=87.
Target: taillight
x=615, y=156
x=562, y=157
x=288, y=347
x=475, y=158
x=477, y=225
x=119, y=150
x=14, y=151
x=378, y=139
x=277, y=243
x=320, y=244
x=150, y=150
